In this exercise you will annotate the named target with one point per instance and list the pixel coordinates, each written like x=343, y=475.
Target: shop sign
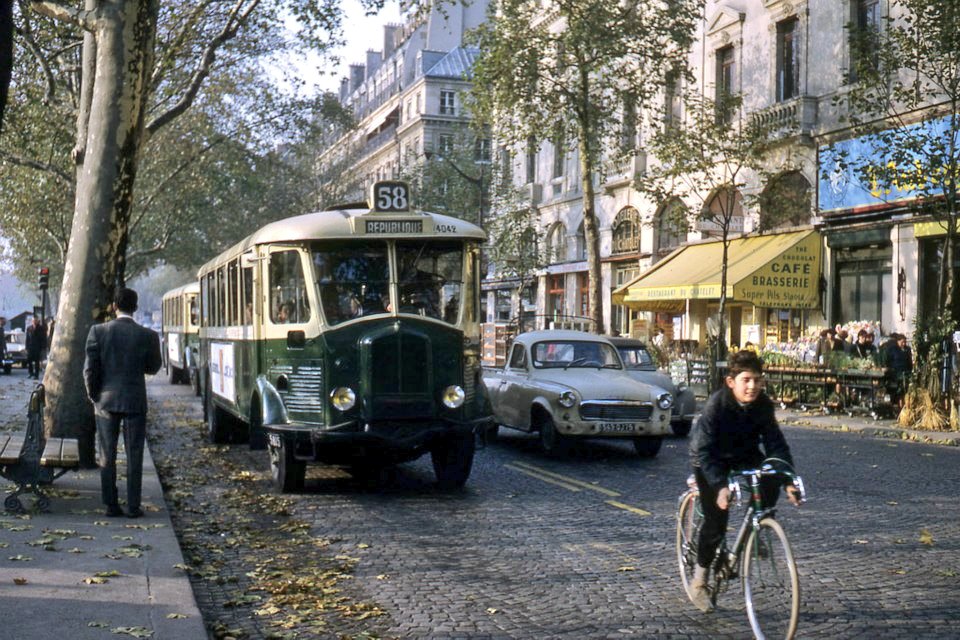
x=841, y=186
x=789, y=281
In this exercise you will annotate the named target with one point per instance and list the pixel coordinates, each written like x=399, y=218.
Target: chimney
x=344, y=89
x=390, y=39
x=357, y=76
x=374, y=58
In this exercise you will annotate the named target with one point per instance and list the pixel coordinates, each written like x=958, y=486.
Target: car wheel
x=647, y=447
x=551, y=440
x=682, y=429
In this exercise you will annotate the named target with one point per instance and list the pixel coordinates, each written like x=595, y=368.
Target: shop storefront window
x=503, y=306
x=864, y=283
x=931, y=262
x=555, y=295
x=583, y=294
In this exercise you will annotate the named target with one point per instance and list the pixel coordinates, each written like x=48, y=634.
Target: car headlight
x=453, y=396
x=567, y=399
x=665, y=401
x=343, y=398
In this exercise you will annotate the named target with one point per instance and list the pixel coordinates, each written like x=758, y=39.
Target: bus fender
x=272, y=409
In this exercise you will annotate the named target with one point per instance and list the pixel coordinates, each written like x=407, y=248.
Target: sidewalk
x=864, y=425
x=71, y=572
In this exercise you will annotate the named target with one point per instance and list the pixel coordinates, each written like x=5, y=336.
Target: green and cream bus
x=181, y=333
x=350, y=337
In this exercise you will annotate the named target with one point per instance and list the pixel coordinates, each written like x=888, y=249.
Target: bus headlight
x=567, y=399
x=453, y=396
x=343, y=398
x=665, y=401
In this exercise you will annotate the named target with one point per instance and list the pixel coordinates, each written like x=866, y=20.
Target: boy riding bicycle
x=736, y=420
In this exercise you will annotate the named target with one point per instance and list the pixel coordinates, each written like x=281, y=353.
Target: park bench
x=31, y=460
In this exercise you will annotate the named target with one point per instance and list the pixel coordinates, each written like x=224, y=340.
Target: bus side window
x=288, y=292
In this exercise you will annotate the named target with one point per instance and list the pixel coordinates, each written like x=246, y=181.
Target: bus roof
x=190, y=287
x=353, y=223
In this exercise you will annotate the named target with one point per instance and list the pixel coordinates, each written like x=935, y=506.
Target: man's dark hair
x=126, y=300
x=744, y=360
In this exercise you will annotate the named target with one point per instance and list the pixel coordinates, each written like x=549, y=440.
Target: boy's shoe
x=700, y=595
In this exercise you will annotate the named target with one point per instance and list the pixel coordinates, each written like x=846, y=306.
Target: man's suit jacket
x=119, y=353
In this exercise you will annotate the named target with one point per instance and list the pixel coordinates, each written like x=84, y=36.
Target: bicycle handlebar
x=767, y=469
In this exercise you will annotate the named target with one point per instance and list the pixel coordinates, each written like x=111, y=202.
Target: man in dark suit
x=119, y=353
x=36, y=343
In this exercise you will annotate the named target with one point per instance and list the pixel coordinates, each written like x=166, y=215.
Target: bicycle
x=761, y=555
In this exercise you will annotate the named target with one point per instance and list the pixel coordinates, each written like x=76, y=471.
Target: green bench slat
x=12, y=446
x=61, y=452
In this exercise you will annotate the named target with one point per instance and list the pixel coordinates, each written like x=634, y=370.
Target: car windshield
x=636, y=357
x=568, y=354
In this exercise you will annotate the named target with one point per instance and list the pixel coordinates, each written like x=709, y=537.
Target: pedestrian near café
x=896, y=355
x=119, y=354
x=36, y=344
x=864, y=347
x=736, y=421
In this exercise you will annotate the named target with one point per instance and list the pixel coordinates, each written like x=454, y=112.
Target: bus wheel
x=287, y=472
x=175, y=374
x=452, y=461
x=257, y=435
x=216, y=423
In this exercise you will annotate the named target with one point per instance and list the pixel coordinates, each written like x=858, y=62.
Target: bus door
x=291, y=362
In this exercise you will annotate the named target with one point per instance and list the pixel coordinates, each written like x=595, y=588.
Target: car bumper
x=658, y=426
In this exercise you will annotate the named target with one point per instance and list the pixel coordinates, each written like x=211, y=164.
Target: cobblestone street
x=580, y=546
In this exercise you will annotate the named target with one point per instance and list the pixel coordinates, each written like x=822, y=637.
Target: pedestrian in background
x=36, y=345
x=119, y=354
x=3, y=336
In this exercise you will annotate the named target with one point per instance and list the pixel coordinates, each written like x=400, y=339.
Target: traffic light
x=44, y=277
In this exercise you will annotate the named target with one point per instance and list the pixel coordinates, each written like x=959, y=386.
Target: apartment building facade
x=406, y=98
x=842, y=255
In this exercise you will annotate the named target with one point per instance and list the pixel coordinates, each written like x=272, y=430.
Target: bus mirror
x=247, y=260
x=296, y=340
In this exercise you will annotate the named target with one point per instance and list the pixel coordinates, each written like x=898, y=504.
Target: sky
x=361, y=32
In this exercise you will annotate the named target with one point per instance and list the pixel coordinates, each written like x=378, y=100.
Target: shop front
x=773, y=288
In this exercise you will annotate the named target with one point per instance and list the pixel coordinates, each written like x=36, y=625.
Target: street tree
x=120, y=71
x=903, y=102
x=705, y=160
x=573, y=72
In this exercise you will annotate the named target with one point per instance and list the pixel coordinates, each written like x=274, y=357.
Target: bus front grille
x=400, y=364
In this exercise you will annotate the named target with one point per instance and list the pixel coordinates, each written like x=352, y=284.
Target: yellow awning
x=777, y=270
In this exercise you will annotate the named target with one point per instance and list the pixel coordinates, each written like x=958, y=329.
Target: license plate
x=274, y=439
x=616, y=427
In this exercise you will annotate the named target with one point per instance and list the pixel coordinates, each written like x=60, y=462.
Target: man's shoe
x=700, y=595
x=136, y=513
x=113, y=511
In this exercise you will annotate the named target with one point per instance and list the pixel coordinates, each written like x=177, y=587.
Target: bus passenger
x=285, y=314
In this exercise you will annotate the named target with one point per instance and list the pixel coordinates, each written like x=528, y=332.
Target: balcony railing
x=795, y=116
x=624, y=170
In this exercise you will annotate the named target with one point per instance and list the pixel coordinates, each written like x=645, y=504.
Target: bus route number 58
x=391, y=196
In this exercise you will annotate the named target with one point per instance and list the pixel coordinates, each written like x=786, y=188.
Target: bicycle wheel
x=689, y=519
x=771, y=585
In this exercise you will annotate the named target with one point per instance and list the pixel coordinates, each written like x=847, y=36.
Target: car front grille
x=615, y=410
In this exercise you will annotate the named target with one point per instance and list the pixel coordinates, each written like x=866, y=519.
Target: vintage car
x=640, y=365
x=16, y=352
x=570, y=384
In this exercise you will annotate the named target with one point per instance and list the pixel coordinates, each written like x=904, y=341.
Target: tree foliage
x=573, y=71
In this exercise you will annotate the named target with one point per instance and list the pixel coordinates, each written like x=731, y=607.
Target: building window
x=419, y=110
x=555, y=285
x=670, y=226
x=445, y=144
x=581, y=243
x=628, y=133
x=672, y=99
x=557, y=243
x=626, y=231
x=583, y=294
x=723, y=211
x=531, y=160
x=558, y=158
x=481, y=150
x=864, y=37
x=788, y=63
x=621, y=316
x=504, y=305
x=447, y=103
x=724, y=84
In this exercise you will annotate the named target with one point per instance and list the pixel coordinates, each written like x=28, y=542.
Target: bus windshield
x=430, y=278
x=353, y=279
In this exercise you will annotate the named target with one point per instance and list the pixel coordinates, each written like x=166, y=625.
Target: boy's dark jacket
x=728, y=436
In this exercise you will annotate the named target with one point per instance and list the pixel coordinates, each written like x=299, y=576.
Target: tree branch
x=59, y=11
x=62, y=177
x=237, y=17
